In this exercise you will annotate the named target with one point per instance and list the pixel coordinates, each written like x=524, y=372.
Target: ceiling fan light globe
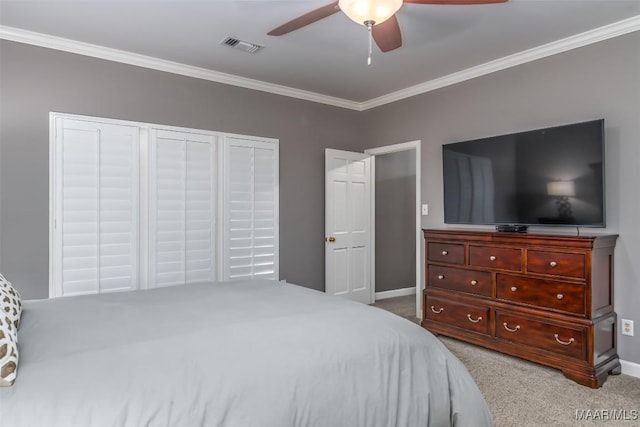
x=382, y=11
x=377, y=11
x=361, y=8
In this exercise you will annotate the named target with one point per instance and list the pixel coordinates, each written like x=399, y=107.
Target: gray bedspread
x=237, y=354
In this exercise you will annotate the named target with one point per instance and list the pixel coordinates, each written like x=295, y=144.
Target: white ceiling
x=327, y=57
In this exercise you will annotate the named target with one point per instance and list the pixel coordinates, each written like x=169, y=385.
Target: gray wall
x=592, y=82
x=35, y=81
x=395, y=220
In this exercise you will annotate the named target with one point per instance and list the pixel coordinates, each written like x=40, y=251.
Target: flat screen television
x=550, y=177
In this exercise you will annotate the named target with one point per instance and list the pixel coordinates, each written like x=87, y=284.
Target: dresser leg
x=594, y=377
x=584, y=379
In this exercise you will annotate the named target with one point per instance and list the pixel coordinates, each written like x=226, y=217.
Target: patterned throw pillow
x=10, y=303
x=8, y=354
x=10, y=311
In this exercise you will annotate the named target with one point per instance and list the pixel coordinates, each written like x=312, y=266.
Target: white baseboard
x=396, y=293
x=630, y=368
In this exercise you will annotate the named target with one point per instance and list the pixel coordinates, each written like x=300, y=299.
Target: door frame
x=405, y=146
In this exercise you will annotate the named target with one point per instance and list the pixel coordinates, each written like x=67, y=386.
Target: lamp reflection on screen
x=562, y=190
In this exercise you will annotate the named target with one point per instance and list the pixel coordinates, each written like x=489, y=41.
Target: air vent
x=241, y=45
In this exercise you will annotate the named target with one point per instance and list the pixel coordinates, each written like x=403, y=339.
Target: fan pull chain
x=369, y=25
x=369, y=58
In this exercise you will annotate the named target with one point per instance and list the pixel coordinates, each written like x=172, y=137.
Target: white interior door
x=348, y=225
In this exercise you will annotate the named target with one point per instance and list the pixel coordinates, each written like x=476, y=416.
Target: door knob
x=330, y=239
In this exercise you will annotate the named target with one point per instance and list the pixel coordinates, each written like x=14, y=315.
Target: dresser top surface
x=491, y=236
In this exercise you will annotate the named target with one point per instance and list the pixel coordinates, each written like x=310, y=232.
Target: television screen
x=552, y=176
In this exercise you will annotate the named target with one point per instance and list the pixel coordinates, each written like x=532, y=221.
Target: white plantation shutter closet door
x=137, y=205
x=251, y=197
x=95, y=207
x=182, y=208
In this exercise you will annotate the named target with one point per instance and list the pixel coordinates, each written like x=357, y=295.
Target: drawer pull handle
x=474, y=282
x=571, y=340
x=472, y=320
x=440, y=276
x=509, y=329
x=553, y=263
x=445, y=252
x=513, y=289
x=492, y=258
x=438, y=311
x=559, y=296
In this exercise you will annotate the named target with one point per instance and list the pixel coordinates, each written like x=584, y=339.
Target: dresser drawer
x=556, y=263
x=542, y=293
x=569, y=341
x=445, y=252
x=496, y=257
x=457, y=279
x=466, y=316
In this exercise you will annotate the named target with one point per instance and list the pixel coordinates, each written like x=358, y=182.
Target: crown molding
x=563, y=45
x=596, y=35
x=101, y=52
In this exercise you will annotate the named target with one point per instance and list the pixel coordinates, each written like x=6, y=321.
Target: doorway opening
x=396, y=224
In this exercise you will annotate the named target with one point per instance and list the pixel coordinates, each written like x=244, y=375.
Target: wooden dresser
x=545, y=298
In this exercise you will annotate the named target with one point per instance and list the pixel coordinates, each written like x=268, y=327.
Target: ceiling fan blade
x=455, y=2
x=306, y=19
x=387, y=35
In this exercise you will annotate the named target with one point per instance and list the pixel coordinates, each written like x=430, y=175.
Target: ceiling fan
x=377, y=15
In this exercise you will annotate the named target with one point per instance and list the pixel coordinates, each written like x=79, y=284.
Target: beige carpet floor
x=521, y=393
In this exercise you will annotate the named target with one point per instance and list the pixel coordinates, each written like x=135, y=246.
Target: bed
x=252, y=353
